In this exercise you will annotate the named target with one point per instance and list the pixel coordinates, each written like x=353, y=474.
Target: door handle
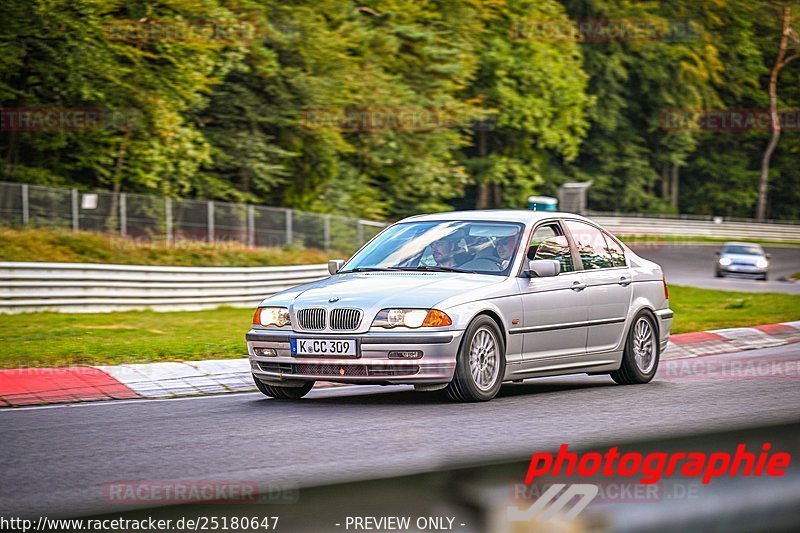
x=625, y=281
x=578, y=286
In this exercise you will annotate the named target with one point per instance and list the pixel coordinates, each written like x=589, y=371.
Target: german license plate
x=324, y=347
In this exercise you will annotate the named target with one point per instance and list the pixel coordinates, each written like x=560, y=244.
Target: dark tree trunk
x=483, y=196
x=675, y=185
x=780, y=62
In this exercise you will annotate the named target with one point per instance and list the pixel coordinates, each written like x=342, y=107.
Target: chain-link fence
x=149, y=217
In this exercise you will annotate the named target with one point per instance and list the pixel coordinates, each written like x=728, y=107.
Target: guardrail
x=97, y=288
x=682, y=227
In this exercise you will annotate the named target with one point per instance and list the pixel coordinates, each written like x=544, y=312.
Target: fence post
x=359, y=232
x=26, y=212
x=168, y=212
x=210, y=217
x=289, y=228
x=326, y=231
x=123, y=215
x=251, y=226
x=75, y=219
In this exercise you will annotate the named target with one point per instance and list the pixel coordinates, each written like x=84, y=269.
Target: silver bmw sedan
x=465, y=301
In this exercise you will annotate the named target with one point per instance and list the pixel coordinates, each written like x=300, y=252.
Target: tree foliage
x=384, y=108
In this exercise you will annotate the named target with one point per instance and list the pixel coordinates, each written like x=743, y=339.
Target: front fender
x=502, y=310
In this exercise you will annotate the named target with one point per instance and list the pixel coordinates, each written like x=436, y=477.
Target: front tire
x=641, y=355
x=480, y=364
x=284, y=393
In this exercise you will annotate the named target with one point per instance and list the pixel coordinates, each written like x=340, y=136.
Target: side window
x=591, y=245
x=617, y=254
x=548, y=242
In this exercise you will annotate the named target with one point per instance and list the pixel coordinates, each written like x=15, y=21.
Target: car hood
x=373, y=291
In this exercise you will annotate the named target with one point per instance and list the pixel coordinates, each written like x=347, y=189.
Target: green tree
x=533, y=94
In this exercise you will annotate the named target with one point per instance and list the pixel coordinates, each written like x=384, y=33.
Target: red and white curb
x=732, y=340
x=39, y=386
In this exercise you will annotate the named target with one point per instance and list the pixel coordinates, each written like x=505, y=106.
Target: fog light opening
x=405, y=354
x=265, y=352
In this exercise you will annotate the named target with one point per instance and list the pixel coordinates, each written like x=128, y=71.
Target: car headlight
x=762, y=263
x=411, y=318
x=725, y=261
x=272, y=316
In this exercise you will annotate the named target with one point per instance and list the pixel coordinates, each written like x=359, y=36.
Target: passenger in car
x=505, y=250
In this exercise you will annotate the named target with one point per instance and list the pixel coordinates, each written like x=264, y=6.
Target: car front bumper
x=372, y=365
x=743, y=269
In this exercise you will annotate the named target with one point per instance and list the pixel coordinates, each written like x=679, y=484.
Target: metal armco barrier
x=679, y=227
x=97, y=288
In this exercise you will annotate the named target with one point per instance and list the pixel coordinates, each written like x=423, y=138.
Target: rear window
x=592, y=246
x=615, y=250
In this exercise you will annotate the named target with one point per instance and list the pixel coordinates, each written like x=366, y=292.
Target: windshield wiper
x=370, y=269
x=437, y=268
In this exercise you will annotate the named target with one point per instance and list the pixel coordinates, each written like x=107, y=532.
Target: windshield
x=743, y=250
x=453, y=246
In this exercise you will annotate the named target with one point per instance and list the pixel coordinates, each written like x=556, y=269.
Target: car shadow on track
x=406, y=396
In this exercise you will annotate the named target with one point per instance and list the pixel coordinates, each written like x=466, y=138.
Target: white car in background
x=466, y=301
x=742, y=258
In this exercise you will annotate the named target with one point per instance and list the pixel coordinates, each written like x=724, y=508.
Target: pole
x=26, y=213
x=123, y=215
x=75, y=214
x=327, y=232
x=168, y=212
x=251, y=226
x=210, y=217
x=289, y=229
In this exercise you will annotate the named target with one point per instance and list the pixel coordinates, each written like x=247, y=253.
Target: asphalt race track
x=57, y=460
x=693, y=266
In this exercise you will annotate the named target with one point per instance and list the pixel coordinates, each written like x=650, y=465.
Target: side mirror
x=335, y=265
x=717, y=253
x=768, y=256
x=542, y=268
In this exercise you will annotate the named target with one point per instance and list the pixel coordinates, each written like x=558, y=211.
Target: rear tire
x=284, y=393
x=480, y=364
x=641, y=354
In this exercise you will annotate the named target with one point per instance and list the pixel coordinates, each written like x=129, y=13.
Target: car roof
x=493, y=215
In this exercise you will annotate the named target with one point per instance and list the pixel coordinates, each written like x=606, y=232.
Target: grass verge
x=85, y=247
x=52, y=339
x=55, y=339
x=703, y=309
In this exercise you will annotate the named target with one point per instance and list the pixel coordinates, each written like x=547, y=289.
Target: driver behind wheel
x=445, y=251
